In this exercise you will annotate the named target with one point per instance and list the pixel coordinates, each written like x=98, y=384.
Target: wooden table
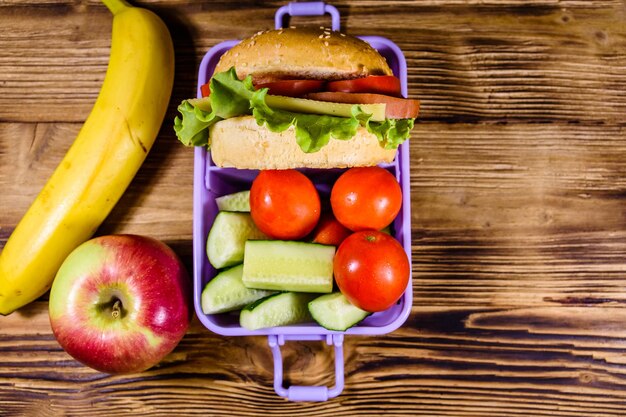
x=518, y=172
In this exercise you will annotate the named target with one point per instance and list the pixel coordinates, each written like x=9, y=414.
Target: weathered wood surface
x=518, y=171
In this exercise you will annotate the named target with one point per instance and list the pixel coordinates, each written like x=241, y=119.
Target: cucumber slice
x=227, y=237
x=288, y=266
x=334, y=312
x=234, y=202
x=276, y=310
x=226, y=292
x=304, y=105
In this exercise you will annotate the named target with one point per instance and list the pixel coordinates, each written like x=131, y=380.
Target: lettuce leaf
x=193, y=128
x=392, y=132
x=313, y=131
x=231, y=97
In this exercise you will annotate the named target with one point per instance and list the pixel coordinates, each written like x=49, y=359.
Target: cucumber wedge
x=226, y=292
x=288, y=266
x=276, y=310
x=334, y=312
x=227, y=237
x=234, y=202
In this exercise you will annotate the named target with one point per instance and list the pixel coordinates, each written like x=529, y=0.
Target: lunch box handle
x=303, y=392
x=307, y=8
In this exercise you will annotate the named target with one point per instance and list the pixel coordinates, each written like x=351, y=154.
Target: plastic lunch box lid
x=379, y=323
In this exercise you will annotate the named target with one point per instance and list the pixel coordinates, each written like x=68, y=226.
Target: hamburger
x=294, y=98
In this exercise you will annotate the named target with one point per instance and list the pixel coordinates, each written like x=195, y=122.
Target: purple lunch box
x=211, y=181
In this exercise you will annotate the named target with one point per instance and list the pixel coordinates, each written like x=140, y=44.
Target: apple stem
x=116, y=309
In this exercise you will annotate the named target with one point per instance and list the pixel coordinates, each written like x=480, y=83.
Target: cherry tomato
x=205, y=89
x=284, y=204
x=378, y=84
x=292, y=88
x=329, y=231
x=366, y=198
x=372, y=270
x=396, y=108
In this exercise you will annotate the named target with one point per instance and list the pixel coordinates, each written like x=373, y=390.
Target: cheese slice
x=303, y=105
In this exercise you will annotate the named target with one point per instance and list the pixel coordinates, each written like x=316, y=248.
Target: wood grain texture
x=518, y=218
x=553, y=60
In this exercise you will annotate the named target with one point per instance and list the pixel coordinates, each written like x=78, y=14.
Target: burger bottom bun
x=239, y=142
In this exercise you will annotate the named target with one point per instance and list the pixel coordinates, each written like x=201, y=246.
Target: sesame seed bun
x=304, y=53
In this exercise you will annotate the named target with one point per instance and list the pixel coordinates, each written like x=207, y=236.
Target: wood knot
x=587, y=378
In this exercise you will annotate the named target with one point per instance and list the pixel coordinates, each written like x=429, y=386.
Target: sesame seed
x=342, y=34
x=321, y=36
x=325, y=43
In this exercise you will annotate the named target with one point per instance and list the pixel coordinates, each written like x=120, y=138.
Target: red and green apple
x=120, y=303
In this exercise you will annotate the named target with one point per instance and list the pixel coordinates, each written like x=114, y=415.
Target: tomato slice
x=292, y=88
x=396, y=108
x=205, y=90
x=378, y=84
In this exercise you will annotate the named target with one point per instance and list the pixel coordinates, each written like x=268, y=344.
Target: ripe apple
x=120, y=303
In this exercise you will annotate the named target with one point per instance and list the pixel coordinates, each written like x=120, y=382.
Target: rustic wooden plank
x=562, y=61
x=341, y=4
x=458, y=362
x=518, y=214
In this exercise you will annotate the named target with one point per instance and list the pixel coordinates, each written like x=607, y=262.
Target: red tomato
x=372, y=270
x=284, y=204
x=292, y=88
x=329, y=231
x=366, y=198
x=205, y=90
x=396, y=108
x=379, y=84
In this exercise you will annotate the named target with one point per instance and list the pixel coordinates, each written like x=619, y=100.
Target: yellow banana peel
x=102, y=161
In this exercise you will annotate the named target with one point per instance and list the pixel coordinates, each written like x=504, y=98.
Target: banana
x=105, y=156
